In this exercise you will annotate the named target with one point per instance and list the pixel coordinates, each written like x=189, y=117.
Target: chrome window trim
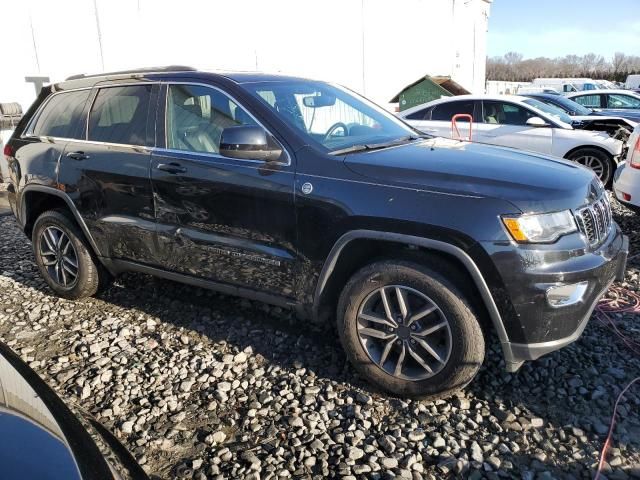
x=93, y=142
x=211, y=154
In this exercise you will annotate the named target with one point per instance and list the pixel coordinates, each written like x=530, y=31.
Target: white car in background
x=519, y=122
x=626, y=182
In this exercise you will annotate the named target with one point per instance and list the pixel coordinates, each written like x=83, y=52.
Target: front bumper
x=535, y=328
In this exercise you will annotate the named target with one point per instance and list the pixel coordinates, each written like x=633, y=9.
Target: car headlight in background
x=540, y=228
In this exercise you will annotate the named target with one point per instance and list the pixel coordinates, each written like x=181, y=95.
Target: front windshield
x=550, y=110
x=330, y=116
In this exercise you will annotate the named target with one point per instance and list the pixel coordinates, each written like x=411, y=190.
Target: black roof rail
x=170, y=68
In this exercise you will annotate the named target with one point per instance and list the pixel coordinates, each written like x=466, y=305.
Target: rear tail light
x=626, y=197
x=8, y=151
x=635, y=155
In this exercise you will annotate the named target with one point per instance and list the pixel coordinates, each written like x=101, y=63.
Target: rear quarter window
x=422, y=114
x=61, y=115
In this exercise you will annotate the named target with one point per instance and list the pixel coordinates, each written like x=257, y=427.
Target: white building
x=375, y=47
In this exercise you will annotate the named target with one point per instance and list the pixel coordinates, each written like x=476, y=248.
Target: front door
x=106, y=174
x=221, y=219
x=505, y=124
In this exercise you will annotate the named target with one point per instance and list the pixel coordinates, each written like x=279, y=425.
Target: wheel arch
x=333, y=274
x=31, y=199
x=594, y=147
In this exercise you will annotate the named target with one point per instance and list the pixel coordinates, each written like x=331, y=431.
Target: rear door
x=59, y=119
x=106, y=173
x=505, y=123
x=221, y=219
x=440, y=115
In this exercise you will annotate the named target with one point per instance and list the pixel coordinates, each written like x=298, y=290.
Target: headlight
x=540, y=228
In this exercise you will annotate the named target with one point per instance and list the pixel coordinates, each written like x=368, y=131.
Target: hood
x=631, y=114
x=604, y=118
x=47, y=439
x=529, y=181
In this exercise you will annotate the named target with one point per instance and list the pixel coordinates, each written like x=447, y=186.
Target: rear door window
x=446, y=111
x=119, y=115
x=592, y=101
x=61, y=115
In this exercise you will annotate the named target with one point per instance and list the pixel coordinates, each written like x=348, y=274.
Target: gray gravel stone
x=218, y=387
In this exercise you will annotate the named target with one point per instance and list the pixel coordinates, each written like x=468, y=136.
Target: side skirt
x=121, y=266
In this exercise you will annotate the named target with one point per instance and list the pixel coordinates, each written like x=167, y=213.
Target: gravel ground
x=201, y=385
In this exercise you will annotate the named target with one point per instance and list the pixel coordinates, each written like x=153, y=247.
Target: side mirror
x=537, y=122
x=249, y=142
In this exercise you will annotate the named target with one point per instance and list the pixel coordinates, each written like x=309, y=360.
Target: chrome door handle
x=171, y=168
x=78, y=155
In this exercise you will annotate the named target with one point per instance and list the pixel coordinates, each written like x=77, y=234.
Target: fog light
x=564, y=295
x=626, y=197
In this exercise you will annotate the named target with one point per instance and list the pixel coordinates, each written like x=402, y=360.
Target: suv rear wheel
x=409, y=330
x=64, y=258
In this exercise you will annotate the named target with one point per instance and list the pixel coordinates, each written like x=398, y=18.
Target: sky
x=555, y=28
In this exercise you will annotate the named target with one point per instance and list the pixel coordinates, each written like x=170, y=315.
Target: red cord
x=624, y=301
x=610, y=434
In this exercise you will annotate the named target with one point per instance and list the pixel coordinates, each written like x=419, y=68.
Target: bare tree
x=513, y=67
x=619, y=62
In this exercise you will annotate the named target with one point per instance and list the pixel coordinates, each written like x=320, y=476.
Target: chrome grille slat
x=594, y=221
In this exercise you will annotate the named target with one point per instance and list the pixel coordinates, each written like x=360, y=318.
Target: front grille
x=594, y=220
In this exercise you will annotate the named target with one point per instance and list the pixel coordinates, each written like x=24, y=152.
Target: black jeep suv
x=303, y=194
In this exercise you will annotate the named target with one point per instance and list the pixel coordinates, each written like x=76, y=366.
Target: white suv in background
x=519, y=122
x=626, y=182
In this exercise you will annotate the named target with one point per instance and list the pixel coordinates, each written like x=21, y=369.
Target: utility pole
x=95, y=11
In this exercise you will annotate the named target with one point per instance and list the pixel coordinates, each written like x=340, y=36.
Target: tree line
x=514, y=68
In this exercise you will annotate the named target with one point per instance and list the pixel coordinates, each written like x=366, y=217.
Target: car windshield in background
x=571, y=106
x=549, y=110
x=330, y=116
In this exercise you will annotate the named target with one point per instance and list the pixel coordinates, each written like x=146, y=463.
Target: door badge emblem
x=307, y=188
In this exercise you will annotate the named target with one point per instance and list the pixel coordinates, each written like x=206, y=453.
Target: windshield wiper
x=377, y=146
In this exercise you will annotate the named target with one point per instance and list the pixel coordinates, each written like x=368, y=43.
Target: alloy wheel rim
x=59, y=257
x=594, y=163
x=404, y=332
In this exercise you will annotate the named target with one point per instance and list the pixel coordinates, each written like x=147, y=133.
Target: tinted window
x=197, y=115
x=61, y=115
x=445, y=111
x=421, y=114
x=622, y=101
x=119, y=115
x=506, y=113
x=592, y=101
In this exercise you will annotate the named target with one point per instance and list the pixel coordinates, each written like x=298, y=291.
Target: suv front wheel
x=409, y=330
x=64, y=258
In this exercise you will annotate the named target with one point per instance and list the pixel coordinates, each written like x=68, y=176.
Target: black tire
x=467, y=345
x=595, y=157
x=91, y=276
